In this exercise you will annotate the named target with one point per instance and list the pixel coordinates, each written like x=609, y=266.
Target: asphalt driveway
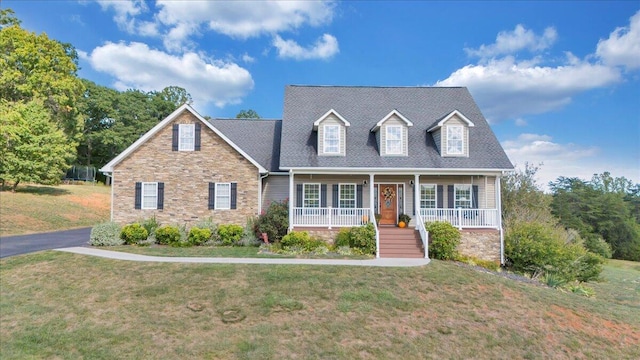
x=23, y=244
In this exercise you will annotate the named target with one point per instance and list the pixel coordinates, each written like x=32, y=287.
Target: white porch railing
x=424, y=235
x=330, y=217
x=463, y=218
x=373, y=220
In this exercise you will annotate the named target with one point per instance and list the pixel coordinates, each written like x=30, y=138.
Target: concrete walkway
x=117, y=255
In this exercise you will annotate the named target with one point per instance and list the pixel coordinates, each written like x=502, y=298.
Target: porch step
x=400, y=243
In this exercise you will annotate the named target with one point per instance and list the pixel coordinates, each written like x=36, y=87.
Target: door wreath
x=388, y=193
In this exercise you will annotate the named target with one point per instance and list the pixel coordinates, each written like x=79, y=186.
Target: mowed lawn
x=34, y=209
x=60, y=305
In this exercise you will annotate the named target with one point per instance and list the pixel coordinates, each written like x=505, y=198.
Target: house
x=340, y=154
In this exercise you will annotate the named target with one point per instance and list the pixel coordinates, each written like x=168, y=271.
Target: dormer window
x=455, y=138
x=331, y=139
x=394, y=140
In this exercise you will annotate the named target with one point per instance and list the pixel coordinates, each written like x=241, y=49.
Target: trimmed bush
x=302, y=241
x=105, y=234
x=167, y=234
x=274, y=222
x=363, y=238
x=133, y=233
x=230, y=234
x=198, y=236
x=208, y=224
x=444, y=239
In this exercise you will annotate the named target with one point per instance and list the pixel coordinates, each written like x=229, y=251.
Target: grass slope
x=59, y=305
x=44, y=208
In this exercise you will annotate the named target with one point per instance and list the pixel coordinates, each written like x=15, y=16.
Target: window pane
x=347, y=196
x=223, y=196
x=454, y=140
x=331, y=139
x=463, y=196
x=187, y=137
x=394, y=140
x=427, y=196
x=311, y=195
x=149, y=195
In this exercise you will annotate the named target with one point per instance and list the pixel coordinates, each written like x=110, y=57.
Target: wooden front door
x=388, y=197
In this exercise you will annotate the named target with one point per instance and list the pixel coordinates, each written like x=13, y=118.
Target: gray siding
x=465, y=136
x=394, y=120
x=486, y=188
x=275, y=188
x=331, y=120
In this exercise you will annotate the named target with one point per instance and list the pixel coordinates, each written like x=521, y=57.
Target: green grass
x=219, y=251
x=48, y=208
x=61, y=305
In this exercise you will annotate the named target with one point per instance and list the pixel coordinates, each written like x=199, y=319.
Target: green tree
x=247, y=114
x=35, y=67
x=522, y=199
x=32, y=148
x=8, y=18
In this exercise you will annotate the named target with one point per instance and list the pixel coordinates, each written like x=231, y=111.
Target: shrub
x=133, y=234
x=208, y=224
x=343, y=238
x=249, y=237
x=589, y=266
x=302, y=241
x=474, y=261
x=105, y=234
x=274, y=222
x=198, y=236
x=363, y=238
x=596, y=244
x=444, y=239
x=230, y=234
x=151, y=224
x=166, y=235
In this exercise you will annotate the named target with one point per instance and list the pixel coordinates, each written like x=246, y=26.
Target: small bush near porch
x=444, y=239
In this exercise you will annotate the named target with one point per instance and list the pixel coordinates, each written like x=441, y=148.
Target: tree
x=522, y=199
x=8, y=18
x=247, y=114
x=34, y=67
x=32, y=148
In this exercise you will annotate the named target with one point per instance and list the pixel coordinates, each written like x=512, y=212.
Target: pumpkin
x=402, y=224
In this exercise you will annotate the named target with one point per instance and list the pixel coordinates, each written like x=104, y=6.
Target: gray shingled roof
x=363, y=107
x=260, y=139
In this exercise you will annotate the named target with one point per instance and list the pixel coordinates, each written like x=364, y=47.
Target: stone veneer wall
x=328, y=235
x=481, y=243
x=186, y=176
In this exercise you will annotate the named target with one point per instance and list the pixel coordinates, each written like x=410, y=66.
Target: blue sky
x=558, y=81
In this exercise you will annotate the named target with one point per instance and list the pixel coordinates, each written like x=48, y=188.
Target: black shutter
x=160, y=195
x=450, y=197
x=359, y=196
x=234, y=195
x=212, y=196
x=474, y=197
x=138, y=203
x=323, y=195
x=197, y=137
x=174, y=137
x=440, y=197
x=299, y=195
x=336, y=202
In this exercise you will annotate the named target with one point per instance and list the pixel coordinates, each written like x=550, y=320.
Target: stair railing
x=424, y=235
x=373, y=220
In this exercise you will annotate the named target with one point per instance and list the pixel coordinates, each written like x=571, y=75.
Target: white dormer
x=332, y=134
x=392, y=134
x=451, y=135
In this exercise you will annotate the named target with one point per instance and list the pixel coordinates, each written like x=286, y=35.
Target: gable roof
x=452, y=114
x=364, y=107
x=149, y=134
x=335, y=113
x=392, y=113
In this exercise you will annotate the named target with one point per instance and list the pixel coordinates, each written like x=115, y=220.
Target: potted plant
x=378, y=217
x=403, y=220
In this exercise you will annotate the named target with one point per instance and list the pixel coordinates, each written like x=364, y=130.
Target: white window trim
x=324, y=147
x=355, y=195
x=181, y=145
x=435, y=193
x=142, y=202
x=461, y=140
x=466, y=187
x=217, y=205
x=304, y=187
x=401, y=147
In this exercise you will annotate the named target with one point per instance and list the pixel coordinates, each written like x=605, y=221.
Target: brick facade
x=481, y=243
x=186, y=176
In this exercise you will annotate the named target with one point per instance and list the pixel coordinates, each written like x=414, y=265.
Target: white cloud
x=509, y=42
x=569, y=160
x=135, y=65
x=247, y=58
x=622, y=48
x=125, y=12
x=324, y=48
x=521, y=122
x=507, y=89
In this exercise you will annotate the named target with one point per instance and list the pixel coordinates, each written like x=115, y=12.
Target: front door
x=388, y=198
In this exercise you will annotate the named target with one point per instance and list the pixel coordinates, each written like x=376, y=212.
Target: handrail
x=463, y=218
x=424, y=235
x=373, y=220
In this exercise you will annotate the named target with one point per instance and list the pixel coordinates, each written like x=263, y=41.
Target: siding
x=437, y=140
x=394, y=120
x=465, y=135
x=486, y=194
x=331, y=120
x=186, y=176
x=276, y=188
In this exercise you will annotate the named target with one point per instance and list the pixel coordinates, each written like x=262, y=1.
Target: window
x=462, y=196
x=186, y=138
x=454, y=140
x=311, y=195
x=428, y=196
x=149, y=195
x=347, y=196
x=223, y=196
x=394, y=139
x=331, y=139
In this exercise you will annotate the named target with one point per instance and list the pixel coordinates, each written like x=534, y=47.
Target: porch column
x=371, y=196
x=499, y=215
x=416, y=195
x=291, y=200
